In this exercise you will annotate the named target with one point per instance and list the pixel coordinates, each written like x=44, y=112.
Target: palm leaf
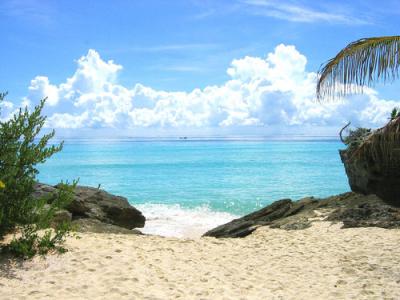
x=360, y=64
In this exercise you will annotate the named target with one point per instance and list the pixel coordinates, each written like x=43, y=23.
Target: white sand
x=322, y=262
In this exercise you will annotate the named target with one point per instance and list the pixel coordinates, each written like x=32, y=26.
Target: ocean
x=185, y=187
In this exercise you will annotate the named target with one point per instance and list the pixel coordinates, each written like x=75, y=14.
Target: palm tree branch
x=359, y=64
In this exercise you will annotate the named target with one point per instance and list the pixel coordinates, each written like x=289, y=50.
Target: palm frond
x=359, y=64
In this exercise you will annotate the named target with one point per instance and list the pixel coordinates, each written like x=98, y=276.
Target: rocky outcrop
x=354, y=210
x=369, y=177
x=93, y=225
x=267, y=216
x=95, y=204
x=61, y=216
x=368, y=215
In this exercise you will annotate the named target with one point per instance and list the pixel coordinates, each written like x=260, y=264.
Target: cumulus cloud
x=41, y=88
x=275, y=90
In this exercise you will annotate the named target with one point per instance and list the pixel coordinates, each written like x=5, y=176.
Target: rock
x=284, y=214
x=292, y=224
x=93, y=225
x=368, y=215
x=60, y=217
x=246, y=225
x=354, y=210
x=369, y=177
x=43, y=190
x=97, y=204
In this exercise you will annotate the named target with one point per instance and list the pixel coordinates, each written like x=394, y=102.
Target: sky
x=192, y=67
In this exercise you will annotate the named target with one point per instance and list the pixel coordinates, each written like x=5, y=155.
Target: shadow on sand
x=9, y=265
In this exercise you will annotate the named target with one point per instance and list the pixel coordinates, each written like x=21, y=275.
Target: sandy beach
x=321, y=262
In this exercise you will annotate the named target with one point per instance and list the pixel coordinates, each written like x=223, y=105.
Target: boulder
x=97, y=204
x=366, y=176
x=61, y=216
x=43, y=190
x=353, y=209
x=266, y=216
x=368, y=215
x=95, y=226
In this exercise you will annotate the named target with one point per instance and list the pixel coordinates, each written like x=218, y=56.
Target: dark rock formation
x=368, y=215
x=369, y=177
x=93, y=225
x=247, y=224
x=278, y=210
x=354, y=210
x=96, y=204
x=61, y=216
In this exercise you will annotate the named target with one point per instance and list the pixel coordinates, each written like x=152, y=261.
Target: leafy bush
x=356, y=137
x=395, y=113
x=31, y=242
x=21, y=149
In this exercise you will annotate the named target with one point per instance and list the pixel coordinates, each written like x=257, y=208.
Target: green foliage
x=356, y=138
x=31, y=242
x=25, y=245
x=22, y=148
x=380, y=141
x=395, y=113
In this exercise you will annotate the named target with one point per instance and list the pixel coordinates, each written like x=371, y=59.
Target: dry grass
x=382, y=146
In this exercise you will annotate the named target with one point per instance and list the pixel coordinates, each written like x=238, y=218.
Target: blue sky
x=178, y=46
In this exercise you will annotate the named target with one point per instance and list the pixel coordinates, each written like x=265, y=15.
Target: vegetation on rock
x=355, y=138
x=395, y=113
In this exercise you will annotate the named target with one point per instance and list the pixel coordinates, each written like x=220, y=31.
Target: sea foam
x=177, y=221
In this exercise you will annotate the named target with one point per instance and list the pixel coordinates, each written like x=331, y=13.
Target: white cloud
x=286, y=10
x=271, y=92
x=65, y=120
x=41, y=88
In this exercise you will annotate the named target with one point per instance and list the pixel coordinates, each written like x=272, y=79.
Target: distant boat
x=183, y=138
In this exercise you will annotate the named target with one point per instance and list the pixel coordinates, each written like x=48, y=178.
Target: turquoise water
x=227, y=177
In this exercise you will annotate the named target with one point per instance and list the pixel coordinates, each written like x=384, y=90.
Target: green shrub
x=395, y=113
x=22, y=148
x=31, y=242
x=356, y=137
